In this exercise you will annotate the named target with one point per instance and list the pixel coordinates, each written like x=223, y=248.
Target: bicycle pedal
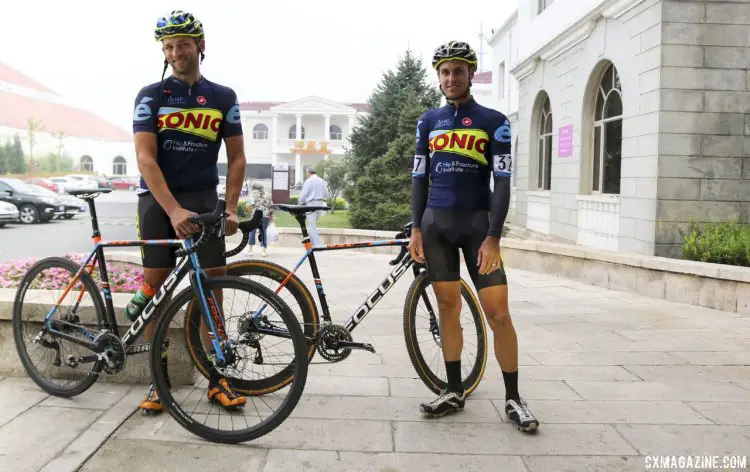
x=356, y=345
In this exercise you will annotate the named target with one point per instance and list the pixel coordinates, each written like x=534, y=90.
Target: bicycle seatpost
x=94, y=221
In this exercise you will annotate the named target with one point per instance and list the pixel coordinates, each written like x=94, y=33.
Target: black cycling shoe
x=519, y=413
x=447, y=402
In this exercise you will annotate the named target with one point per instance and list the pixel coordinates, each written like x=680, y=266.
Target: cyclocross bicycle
x=203, y=334
x=334, y=342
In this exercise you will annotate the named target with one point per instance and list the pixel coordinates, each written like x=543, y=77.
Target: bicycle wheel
x=472, y=365
x=177, y=383
x=42, y=289
x=297, y=297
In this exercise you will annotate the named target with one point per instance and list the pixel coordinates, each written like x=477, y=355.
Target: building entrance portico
x=302, y=132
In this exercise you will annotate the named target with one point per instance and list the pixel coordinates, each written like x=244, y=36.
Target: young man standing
x=459, y=146
x=179, y=124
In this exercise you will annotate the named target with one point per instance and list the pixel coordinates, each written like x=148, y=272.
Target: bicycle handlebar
x=405, y=234
x=246, y=227
x=215, y=222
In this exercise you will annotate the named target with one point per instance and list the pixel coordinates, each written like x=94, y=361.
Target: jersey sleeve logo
x=502, y=133
x=142, y=111
x=471, y=143
x=203, y=122
x=233, y=115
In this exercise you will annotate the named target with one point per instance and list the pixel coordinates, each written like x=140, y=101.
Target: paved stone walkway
x=614, y=377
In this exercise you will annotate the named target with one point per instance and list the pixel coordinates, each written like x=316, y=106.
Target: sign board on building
x=280, y=183
x=565, y=141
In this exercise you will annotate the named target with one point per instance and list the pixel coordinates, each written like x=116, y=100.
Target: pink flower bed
x=123, y=277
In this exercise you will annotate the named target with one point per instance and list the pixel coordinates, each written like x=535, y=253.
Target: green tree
x=15, y=158
x=4, y=152
x=334, y=173
x=34, y=126
x=383, y=145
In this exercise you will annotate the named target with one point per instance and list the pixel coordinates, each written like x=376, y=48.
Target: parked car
x=8, y=213
x=32, y=206
x=124, y=183
x=67, y=184
x=42, y=182
x=89, y=180
x=73, y=205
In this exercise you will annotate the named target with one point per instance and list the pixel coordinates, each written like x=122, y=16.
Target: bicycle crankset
x=335, y=343
x=110, y=351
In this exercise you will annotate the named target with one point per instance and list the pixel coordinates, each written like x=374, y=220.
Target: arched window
x=119, y=166
x=336, y=133
x=87, y=164
x=293, y=132
x=607, y=145
x=260, y=131
x=544, y=146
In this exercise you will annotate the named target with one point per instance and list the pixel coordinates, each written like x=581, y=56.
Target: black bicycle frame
x=404, y=263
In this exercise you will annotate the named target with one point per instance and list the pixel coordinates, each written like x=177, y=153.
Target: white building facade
x=295, y=135
x=629, y=118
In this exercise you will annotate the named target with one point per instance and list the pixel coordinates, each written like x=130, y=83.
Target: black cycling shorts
x=444, y=233
x=153, y=223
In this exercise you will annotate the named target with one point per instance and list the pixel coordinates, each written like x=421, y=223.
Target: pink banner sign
x=565, y=141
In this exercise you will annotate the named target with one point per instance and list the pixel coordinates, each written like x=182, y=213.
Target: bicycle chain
x=320, y=328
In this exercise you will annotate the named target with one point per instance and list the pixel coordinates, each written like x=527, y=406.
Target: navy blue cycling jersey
x=190, y=123
x=458, y=149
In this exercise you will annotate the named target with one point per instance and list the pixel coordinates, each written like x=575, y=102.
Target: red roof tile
x=12, y=76
x=483, y=77
x=15, y=111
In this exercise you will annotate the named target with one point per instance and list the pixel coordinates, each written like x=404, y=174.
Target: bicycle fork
x=214, y=319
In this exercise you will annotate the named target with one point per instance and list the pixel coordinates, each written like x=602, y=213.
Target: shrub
x=242, y=212
x=722, y=243
x=340, y=204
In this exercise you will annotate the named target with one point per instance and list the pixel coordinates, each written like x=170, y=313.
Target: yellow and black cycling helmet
x=178, y=23
x=454, y=50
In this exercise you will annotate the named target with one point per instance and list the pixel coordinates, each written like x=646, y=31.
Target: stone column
x=327, y=129
x=298, y=156
x=275, y=130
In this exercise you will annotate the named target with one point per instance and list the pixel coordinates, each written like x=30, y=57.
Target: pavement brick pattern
x=612, y=376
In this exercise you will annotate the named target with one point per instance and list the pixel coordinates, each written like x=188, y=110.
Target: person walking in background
x=259, y=200
x=314, y=193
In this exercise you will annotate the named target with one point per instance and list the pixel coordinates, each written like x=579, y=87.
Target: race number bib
x=502, y=166
x=419, y=165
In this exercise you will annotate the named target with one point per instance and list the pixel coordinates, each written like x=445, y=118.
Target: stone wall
x=704, y=125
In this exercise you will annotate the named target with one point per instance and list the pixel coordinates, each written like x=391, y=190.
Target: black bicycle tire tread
x=209, y=433
x=88, y=282
x=415, y=291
